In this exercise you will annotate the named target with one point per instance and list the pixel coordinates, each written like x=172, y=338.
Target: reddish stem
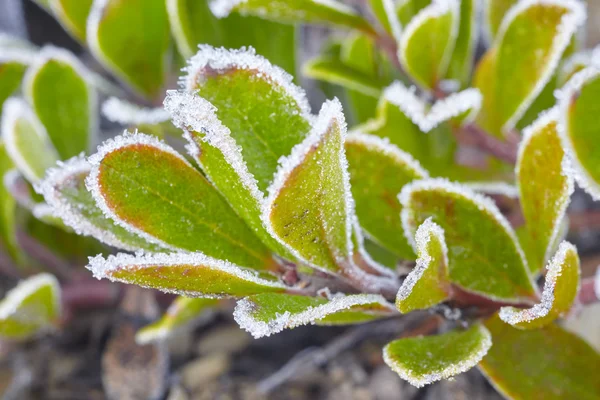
x=473, y=135
x=587, y=292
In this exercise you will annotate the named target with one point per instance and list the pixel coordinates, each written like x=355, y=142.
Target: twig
x=314, y=357
x=473, y=135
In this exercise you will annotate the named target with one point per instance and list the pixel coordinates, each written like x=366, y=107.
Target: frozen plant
x=445, y=198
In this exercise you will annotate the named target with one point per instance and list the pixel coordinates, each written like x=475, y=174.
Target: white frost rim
x=570, y=22
x=66, y=211
x=448, y=372
x=413, y=107
x=221, y=59
x=564, y=98
x=93, y=185
x=243, y=313
x=102, y=268
x=13, y=299
x=422, y=238
x=126, y=113
x=191, y=112
x=15, y=109
x=515, y=316
x=436, y=9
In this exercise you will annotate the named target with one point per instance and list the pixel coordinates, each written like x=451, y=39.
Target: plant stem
x=587, y=292
x=472, y=135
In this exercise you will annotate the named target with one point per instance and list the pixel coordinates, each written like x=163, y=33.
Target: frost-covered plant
x=304, y=221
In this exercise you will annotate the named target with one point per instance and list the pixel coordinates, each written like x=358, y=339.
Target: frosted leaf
x=19, y=121
x=577, y=62
x=365, y=257
x=392, y=16
x=455, y=105
x=435, y=10
x=183, y=313
x=569, y=24
x=427, y=284
x=93, y=184
x=560, y=289
x=71, y=212
x=191, y=112
x=18, y=188
x=330, y=115
x=247, y=310
x=185, y=274
x=221, y=60
x=126, y=113
x=424, y=360
x=565, y=98
x=30, y=307
x=500, y=269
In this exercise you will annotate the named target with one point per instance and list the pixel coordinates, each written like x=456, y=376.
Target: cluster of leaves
x=303, y=221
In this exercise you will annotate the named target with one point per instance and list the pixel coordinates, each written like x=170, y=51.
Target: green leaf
x=192, y=23
x=269, y=313
x=309, y=207
x=14, y=60
x=495, y=10
x=186, y=274
x=578, y=106
x=553, y=361
x=545, y=185
x=560, y=290
x=333, y=70
x=428, y=41
x=32, y=306
x=65, y=193
x=57, y=88
x=378, y=171
x=152, y=191
x=8, y=209
x=266, y=113
x=576, y=63
x=73, y=15
x=428, y=283
x=132, y=39
x=461, y=61
x=424, y=360
x=293, y=11
x=483, y=252
x=26, y=140
x=530, y=44
x=180, y=315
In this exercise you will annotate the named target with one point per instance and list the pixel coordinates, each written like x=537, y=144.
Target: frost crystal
x=26, y=288
x=390, y=11
x=435, y=10
x=565, y=96
x=213, y=59
x=191, y=112
x=103, y=268
x=14, y=110
x=244, y=313
x=570, y=22
x=50, y=187
x=416, y=109
x=494, y=188
x=422, y=238
x=93, y=185
x=222, y=8
x=514, y=316
x=126, y=113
